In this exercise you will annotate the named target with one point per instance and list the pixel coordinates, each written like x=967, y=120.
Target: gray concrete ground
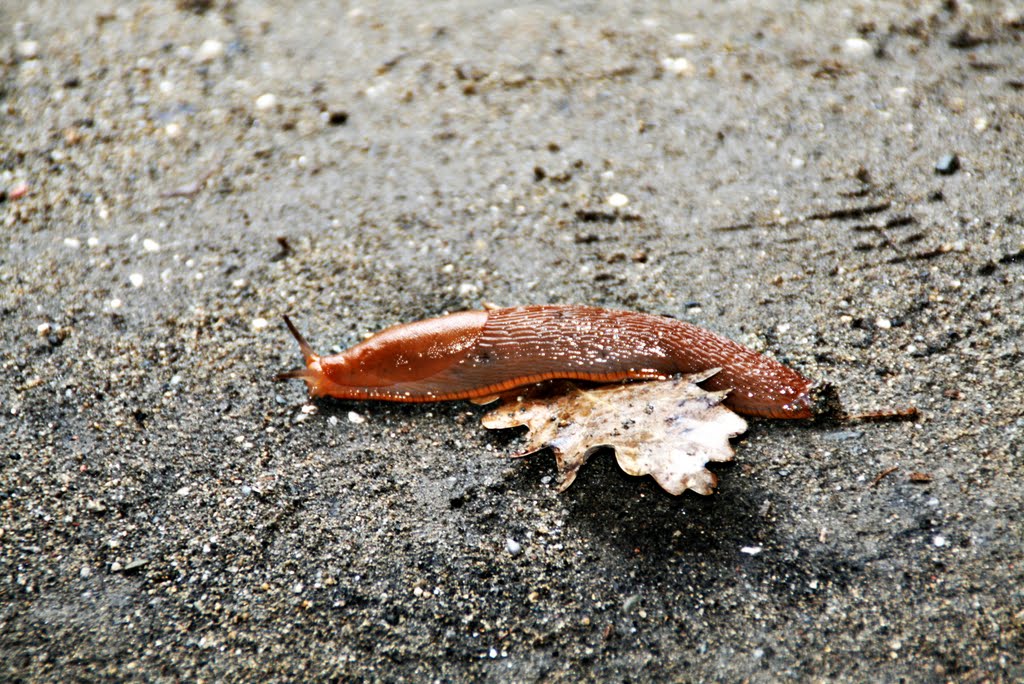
x=167, y=513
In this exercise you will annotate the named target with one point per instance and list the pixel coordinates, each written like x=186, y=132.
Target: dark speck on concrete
x=947, y=165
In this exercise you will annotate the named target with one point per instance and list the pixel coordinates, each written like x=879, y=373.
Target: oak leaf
x=667, y=429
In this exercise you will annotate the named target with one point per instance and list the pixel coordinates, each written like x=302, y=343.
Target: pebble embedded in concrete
x=617, y=200
x=947, y=165
x=210, y=50
x=857, y=48
x=266, y=102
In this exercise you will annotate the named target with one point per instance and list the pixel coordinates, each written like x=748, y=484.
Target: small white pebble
x=73, y=243
x=150, y=245
x=259, y=324
x=166, y=87
x=175, y=379
x=172, y=130
x=297, y=589
x=239, y=283
x=980, y=124
x=857, y=48
x=355, y=418
x=680, y=66
x=797, y=163
x=493, y=653
x=308, y=409
x=93, y=242
x=685, y=39
x=377, y=90
x=617, y=200
x=115, y=303
x=468, y=289
x=939, y=541
x=751, y=550
x=43, y=329
x=28, y=49
x=115, y=567
x=266, y=101
x=184, y=491
x=210, y=50
x=513, y=547
x=448, y=268
x=84, y=572
x=883, y=323
x=136, y=279
x=899, y=94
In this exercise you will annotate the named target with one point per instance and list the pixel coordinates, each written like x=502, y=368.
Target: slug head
x=390, y=364
x=313, y=374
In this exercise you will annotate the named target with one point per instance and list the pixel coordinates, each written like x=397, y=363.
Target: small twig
x=882, y=475
x=889, y=415
x=286, y=249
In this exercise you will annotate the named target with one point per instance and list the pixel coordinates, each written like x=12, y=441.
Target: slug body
x=478, y=354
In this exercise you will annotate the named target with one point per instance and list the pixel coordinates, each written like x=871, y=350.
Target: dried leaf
x=667, y=429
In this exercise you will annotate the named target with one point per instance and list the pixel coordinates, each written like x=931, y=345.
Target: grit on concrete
x=177, y=177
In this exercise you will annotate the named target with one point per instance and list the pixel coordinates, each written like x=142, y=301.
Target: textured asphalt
x=838, y=184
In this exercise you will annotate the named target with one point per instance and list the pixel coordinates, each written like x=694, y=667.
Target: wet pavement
x=838, y=186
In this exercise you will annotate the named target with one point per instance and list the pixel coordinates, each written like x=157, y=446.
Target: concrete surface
x=167, y=513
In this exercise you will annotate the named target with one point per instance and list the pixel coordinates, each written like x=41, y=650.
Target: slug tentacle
x=291, y=375
x=311, y=374
x=307, y=350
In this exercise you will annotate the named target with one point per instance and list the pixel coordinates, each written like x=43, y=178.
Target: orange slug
x=479, y=354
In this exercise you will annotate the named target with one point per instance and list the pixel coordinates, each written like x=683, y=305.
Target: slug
x=482, y=354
